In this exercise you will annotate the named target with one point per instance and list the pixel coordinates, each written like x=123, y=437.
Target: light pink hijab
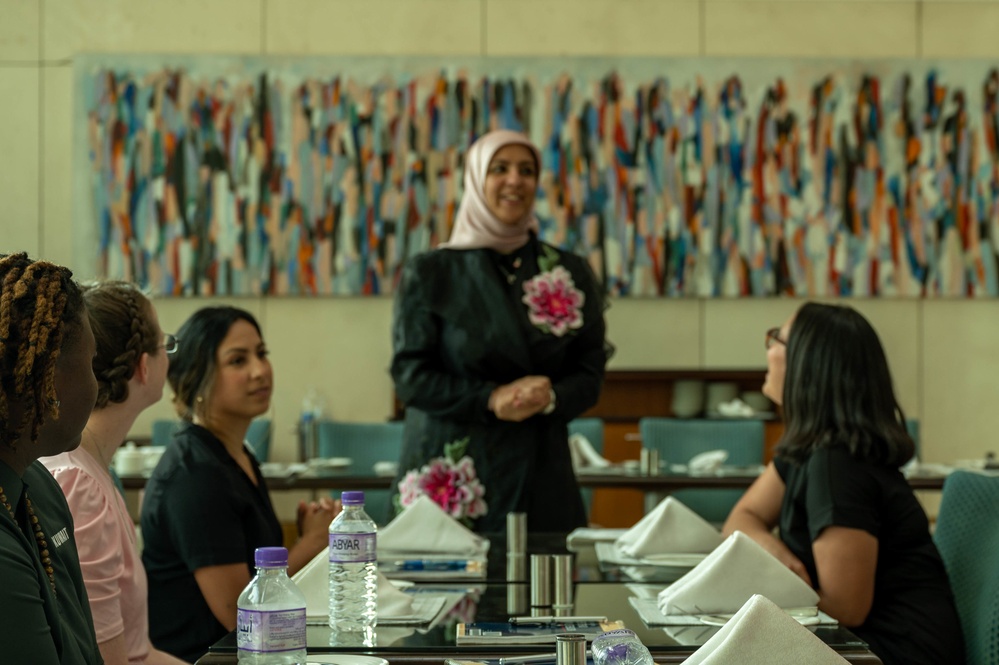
x=475, y=226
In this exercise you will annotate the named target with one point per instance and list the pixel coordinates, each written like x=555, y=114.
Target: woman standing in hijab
x=499, y=338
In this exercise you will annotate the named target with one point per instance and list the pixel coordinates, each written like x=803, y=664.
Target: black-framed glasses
x=170, y=343
x=773, y=337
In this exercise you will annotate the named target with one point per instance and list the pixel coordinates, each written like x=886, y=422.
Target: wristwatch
x=547, y=411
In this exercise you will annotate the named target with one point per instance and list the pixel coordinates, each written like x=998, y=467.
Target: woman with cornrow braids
x=47, y=390
x=131, y=369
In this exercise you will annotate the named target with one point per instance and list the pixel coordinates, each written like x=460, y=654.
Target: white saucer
x=344, y=659
x=331, y=463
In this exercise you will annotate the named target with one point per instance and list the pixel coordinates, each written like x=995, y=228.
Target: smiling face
x=243, y=375
x=773, y=384
x=511, y=183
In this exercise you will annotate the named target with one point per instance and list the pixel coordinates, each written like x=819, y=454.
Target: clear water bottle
x=620, y=647
x=353, y=576
x=308, y=424
x=270, y=616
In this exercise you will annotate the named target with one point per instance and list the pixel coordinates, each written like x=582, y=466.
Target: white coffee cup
x=129, y=460
x=688, y=398
x=719, y=392
x=760, y=402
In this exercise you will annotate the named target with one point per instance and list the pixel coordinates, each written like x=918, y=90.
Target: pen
x=536, y=658
x=431, y=564
x=527, y=621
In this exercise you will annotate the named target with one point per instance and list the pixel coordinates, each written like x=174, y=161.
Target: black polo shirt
x=200, y=510
x=913, y=618
x=37, y=627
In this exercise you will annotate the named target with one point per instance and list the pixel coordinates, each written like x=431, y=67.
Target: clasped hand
x=521, y=399
x=314, y=517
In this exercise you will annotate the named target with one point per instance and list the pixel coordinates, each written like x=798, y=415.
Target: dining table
x=290, y=477
x=598, y=588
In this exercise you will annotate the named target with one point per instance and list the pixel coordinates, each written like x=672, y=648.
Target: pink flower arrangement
x=449, y=481
x=554, y=303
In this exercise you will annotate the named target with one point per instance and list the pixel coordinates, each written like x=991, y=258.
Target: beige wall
x=942, y=353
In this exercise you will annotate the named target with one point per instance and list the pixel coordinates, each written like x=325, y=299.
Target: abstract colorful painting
x=674, y=178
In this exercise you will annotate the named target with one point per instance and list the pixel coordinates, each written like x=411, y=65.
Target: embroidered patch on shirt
x=60, y=538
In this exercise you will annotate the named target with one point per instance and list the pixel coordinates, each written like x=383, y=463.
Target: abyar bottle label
x=352, y=547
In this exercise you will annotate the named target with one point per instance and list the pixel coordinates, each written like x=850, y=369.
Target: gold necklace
x=92, y=444
x=511, y=277
x=43, y=546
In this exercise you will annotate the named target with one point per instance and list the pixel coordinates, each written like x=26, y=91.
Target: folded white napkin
x=583, y=454
x=424, y=527
x=314, y=580
x=762, y=634
x=707, y=462
x=670, y=528
x=730, y=575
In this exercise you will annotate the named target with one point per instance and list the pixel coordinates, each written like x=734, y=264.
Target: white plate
x=344, y=659
x=385, y=468
x=722, y=619
x=607, y=552
x=330, y=462
x=687, y=560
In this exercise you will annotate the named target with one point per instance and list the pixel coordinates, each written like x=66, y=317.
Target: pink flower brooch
x=554, y=304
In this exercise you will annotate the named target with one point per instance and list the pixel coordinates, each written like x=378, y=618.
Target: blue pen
x=430, y=564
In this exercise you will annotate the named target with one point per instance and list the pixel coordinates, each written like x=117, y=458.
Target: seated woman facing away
x=206, y=507
x=47, y=390
x=849, y=523
x=131, y=368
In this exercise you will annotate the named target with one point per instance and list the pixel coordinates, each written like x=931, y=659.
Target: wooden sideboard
x=629, y=395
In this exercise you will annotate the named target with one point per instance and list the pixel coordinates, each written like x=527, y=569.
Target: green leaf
x=455, y=450
x=549, y=260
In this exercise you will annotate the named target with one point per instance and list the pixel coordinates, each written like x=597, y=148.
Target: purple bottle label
x=274, y=631
x=353, y=548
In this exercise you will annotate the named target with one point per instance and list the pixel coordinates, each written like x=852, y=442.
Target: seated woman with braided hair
x=131, y=369
x=47, y=390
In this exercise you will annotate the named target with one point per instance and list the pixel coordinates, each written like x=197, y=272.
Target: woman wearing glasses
x=131, y=369
x=849, y=523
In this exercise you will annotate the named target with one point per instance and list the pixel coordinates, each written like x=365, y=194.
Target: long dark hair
x=192, y=366
x=838, y=389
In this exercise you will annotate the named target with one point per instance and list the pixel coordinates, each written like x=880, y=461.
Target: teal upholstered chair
x=163, y=431
x=967, y=536
x=364, y=444
x=678, y=440
x=593, y=430
x=258, y=437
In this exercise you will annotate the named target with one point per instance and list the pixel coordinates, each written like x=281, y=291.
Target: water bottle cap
x=614, y=634
x=353, y=498
x=271, y=557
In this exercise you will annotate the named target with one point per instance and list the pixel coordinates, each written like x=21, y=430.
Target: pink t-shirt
x=105, y=537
